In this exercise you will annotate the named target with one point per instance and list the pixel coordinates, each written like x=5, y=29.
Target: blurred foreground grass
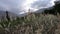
x=31, y=24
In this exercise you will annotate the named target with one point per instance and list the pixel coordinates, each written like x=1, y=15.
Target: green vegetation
x=30, y=24
x=54, y=10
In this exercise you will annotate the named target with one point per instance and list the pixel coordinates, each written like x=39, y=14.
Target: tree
x=54, y=10
x=7, y=16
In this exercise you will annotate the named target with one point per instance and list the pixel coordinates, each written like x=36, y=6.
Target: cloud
x=21, y=6
x=37, y=4
x=11, y=5
x=43, y=4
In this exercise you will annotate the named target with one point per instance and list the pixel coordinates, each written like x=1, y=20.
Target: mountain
x=13, y=15
x=35, y=12
x=42, y=10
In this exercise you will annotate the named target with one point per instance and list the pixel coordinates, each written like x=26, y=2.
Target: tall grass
x=30, y=24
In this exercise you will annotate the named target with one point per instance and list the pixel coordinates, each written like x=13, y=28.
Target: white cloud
x=37, y=4
x=27, y=4
x=18, y=6
x=42, y=4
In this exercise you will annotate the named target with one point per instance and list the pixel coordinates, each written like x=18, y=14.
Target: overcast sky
x=18, y=6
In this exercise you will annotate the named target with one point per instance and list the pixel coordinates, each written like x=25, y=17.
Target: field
x=31, y=24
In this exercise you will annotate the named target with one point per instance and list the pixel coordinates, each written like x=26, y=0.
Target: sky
x=21, y=6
